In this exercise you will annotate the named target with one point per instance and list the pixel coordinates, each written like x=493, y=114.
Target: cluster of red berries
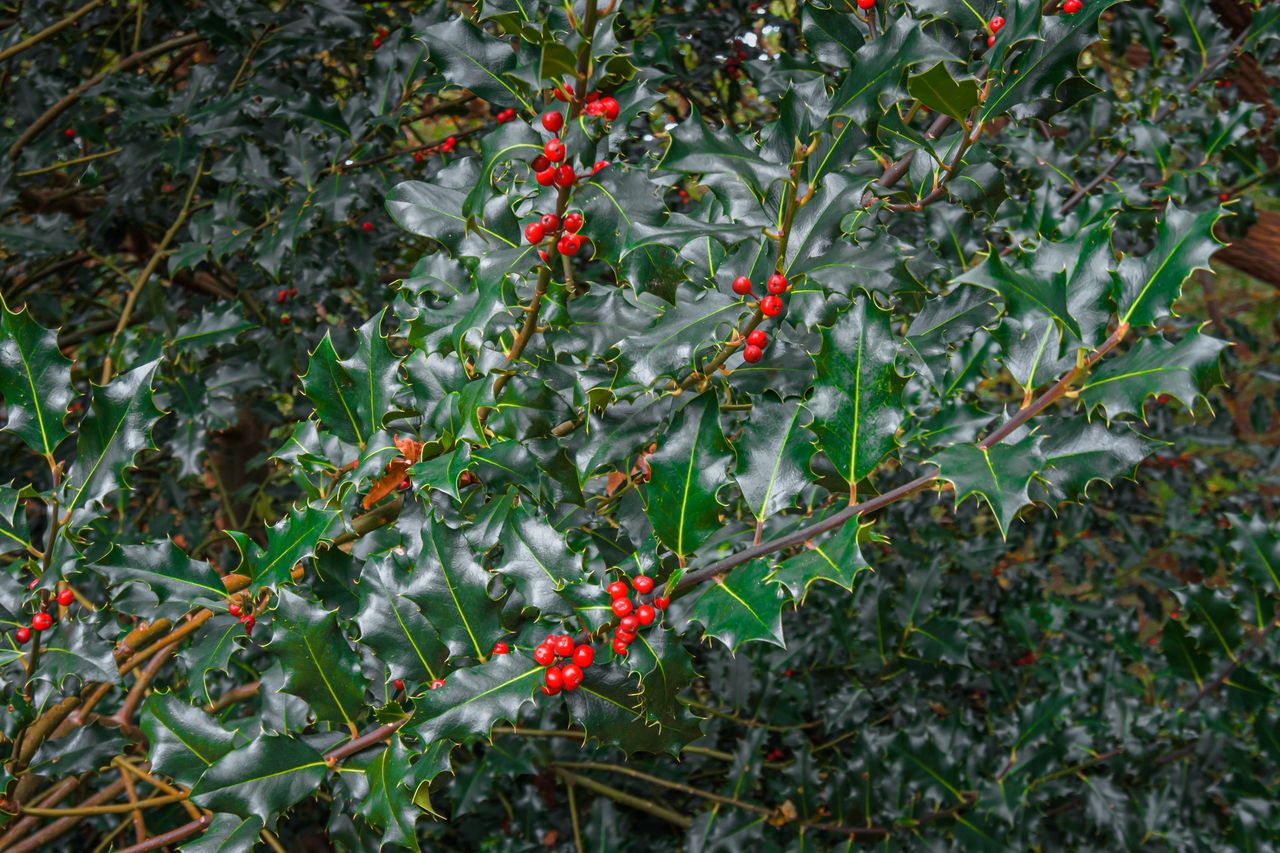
x=567, y=676
x=995, y=26
x=286, y=293
x=733, y=65
x=1072, y=6
x=632, y=616
x=42, y=621
x=446, y=147
x=505, y=116
x=381, y=36
x=597, y=107
x=549, y=225
x=770, y=306
x=246, y=618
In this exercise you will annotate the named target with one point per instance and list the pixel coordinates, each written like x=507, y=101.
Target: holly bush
x=753, y=426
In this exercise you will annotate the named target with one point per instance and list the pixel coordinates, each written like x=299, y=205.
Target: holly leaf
x=74, y=649
x=1080, y=453
x=393, y=626
x=117, y=427
x=1025, y=294
x=686, y=475
x=940, y=92
x=741, y=607
x=1258, y=543
x=475, y=699
x=837, y=560
x=451, y=588
x=184, y=741
x=1185, y=371
x=696, y=149
x=290, y=540
x=857, y=399
x=388, y=804
x=215, y=325
x=878, y=68
x=608, y=706
x=534, y=555
x=375, y=375
x=470, y=58
x=320, y=666
x=14, y=532
x=226, y=833
x=1000, y=475
x=1148, y=286
x=671, y=345
x=166, y=570
x=35, y=381
x=773, y=459
x=261, y=779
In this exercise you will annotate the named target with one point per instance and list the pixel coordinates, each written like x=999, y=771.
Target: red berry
x=293, y=291
x=367, y=226
x=565, y=176
x=547, y=176
x=248, y=624
x=617, y=589
x=1072, y=6
x=595, y=110
x=377, y=42
x=1175, y=615
x=583, y=656
x=620, y=647
x=544, y=654
x=572, y=674
x=563, y=92
x=573, y=222
x=437, y=684
x=592, y=97
x=752, y=353
x=991, y=41
x=69, y=133
x=661, y=602
x=167, y=188
x=564, y=646
x=553, y=121
x=554, y=677
x=642, y=584
x=777, y=284
x=549, y=222
x=419, y=156
x=554, y=150
x=610, y=108
x=771, y=306
x=543, y=255
x=1224, y=197
x=621, y=606
x=533, y=232
x=383, y=32
x=742, y=285
x=282, y=296
x=22, y=635
x=540, y=163
x=629, y=624
x=646, y=614
x=284, y=319
x=600, y=164
x=66, y=597
x=398, y=684
x=42, y=621
x=547, y=691
x=864, y=5
x=505, y=116
x=500, y=648
x=997, y=23
x=757, y=338
x=627, y=637
x=569, y=244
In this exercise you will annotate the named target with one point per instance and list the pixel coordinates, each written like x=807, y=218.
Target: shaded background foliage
x=213, y=198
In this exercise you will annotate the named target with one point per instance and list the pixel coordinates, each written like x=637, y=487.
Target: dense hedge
x=883, y=368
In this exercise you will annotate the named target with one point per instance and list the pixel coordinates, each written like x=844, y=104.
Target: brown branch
x=231, y=697
x=40, y=840
x=51, y=114
x=51, y=30
x=164, y=839
x=1226, y=673
x=638, y=803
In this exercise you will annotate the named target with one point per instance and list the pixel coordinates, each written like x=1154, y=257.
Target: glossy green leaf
x=1081, y=453
x=837, y=559
x=533, y=555
x=999, y=476
x=1149, y=285
x=319, y=664
x=1185, y=371
x=452, y=591
x=35, y=381
x=687, y=472
x=393, y=626
x=773, y=458
x=940, y=92
x=670, y=348
x=265, y=777
x=741, y=607
x=292, y=539
x=475, y=699
x=184, y=741
x=389, y=803
x=165, y=569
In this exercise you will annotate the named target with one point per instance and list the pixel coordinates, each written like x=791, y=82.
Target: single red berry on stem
x=661, y=602
x=620, y=648
x=43, y=621
x=398, y=684
x=367, y=226
x=572, y=674
x=629, y=623
x=752, y=353
x=564, y=646
x=621, y=607
x=771, y=306
x=742, y=285
x=419, y=156
x=600, y=164
x=554, y=150
x=549, y=222
x=565, y=176
x=569, y=244
x=533, y=232
x=583, y=656
x=540, y=163
x=22, y=635
x=554, y=677
x=168, y=188
x=544, y=655
x=573, y=222
x=500, y=648
x=1224, y=197
x=1072, y=6
x=609, y=108
x=563, y=92
x=997, y=24
x=437, y=684
x=547, y=691
x=547, y=176
x=65, y=597
x=646, y=614
x=757, y=338
x=617, y=589
x=627, y=637
x=777, y=284
x=553, y=121
x=643, y=584
x=864, y=5
x=991, y=41
x=234, y=610
x=69, y=133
